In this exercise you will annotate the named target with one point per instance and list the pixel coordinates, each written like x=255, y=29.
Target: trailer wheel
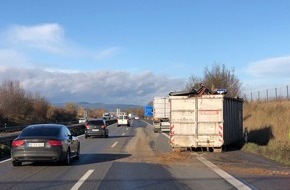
x=218, y=149
x=177, y=149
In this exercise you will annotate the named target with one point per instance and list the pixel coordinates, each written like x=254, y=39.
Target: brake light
x=54, y=143
x=87, y=127
x=103, y=126
x=16, y=143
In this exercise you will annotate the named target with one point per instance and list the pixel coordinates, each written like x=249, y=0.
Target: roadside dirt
x=142, y=148
x=247, y=164
x=254, y=171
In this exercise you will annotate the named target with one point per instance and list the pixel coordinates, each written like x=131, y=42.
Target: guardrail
x=11, y=129
x=10, y=133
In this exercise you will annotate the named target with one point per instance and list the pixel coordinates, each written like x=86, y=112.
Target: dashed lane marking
x=5, y=160
x=82, y=180
x=115, y=143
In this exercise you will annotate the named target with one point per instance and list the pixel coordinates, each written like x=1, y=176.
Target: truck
x=106, y=116
x=205, y=121
x=123, y=120
x=131, y=116
x=161, y=114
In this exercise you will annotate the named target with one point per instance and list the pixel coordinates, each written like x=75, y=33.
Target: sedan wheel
x=78, y=153
x=15, y=163
x=67, y=159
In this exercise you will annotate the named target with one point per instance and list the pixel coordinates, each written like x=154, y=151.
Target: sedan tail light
x=54, y=143
x=16, y=143
x=103, y=126
x=87, y=127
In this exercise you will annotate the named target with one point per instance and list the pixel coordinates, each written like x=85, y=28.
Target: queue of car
x=55, y=143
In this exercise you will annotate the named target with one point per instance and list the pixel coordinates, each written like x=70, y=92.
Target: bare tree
x=15, y=106
x=40, y=108
x=71, y=108
x=218, y=76
x=193, y=83
x=215, y=77
x=18, y=106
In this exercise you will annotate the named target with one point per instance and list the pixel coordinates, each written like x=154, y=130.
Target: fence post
x=251, y=97
x=287, y=92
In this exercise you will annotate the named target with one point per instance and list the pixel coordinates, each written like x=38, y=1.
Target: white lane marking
x=165, y=135
x=5, y=160
x=127, y=129
x=147, y=123
x=232, y=180
x=123, y=134
x=82, y=180
x=115, y=143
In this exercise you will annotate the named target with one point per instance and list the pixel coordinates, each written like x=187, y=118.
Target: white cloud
x=31, y=55
x=96, y=86
x=278, y=67
x=48, y=37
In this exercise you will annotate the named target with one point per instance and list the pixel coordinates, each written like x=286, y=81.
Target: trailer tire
x=218, y=149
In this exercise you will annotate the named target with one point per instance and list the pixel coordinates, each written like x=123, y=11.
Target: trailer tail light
x=54, y=143
x=17, y=143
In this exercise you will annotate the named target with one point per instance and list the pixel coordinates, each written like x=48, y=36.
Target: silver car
x=45, y=142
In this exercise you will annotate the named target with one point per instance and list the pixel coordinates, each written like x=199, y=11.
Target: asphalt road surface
x=137, y=158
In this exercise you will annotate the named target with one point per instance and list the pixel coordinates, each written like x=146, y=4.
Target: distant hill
x=107, y=107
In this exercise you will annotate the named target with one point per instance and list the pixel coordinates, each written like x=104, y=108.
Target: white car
x=82, y=120
x=137, y=117
x=123, y=120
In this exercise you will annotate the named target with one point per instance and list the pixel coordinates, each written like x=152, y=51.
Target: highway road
x=137, y=158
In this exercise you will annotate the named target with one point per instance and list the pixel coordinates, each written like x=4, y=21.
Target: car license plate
x=95, y=130
x=36, y=144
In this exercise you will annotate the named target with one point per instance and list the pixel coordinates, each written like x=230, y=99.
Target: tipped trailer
x=205, y=121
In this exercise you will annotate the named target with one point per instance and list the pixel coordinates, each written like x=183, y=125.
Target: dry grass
x=268, y=124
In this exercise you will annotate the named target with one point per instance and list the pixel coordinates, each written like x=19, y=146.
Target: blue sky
x=130, y=51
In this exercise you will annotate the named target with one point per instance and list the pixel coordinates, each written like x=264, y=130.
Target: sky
x=127, y=52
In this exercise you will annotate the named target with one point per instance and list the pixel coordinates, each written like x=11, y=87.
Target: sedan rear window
x=40, y=131
x=96, y=122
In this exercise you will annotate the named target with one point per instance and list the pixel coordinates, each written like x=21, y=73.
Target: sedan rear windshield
x=40, y=131
x=96, y=122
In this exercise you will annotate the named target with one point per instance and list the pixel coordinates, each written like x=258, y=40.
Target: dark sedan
x=96, y=127
x=45, y=142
